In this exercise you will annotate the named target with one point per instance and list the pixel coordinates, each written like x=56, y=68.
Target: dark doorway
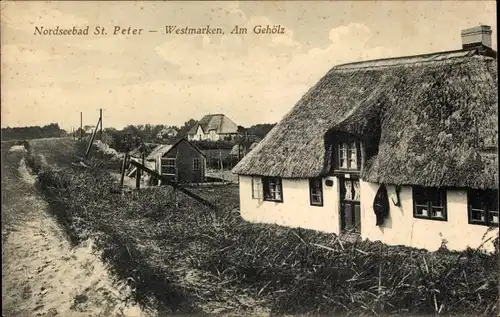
x=350, y=214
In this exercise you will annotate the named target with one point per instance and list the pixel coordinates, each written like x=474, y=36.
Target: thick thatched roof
x=433, y=119
x=217, y=122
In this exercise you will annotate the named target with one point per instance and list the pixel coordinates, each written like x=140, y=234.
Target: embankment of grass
x=160, y=240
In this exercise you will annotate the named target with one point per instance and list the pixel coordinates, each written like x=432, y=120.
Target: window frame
x=484, y=205
x=196, y=164
x=174, y=166
x=428, y=192
x=266, y=181
x=343, y=150
x=312, y=187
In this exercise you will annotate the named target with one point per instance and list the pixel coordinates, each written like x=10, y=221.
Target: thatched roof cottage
x=421, y=131
x=213, y=127
x=167, y=133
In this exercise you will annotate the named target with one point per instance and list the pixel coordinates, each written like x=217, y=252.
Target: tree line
x=133, y=135
x=33, y=132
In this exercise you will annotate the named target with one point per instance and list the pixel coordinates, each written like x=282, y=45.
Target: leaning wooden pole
x=100, y=119
x=91, y=139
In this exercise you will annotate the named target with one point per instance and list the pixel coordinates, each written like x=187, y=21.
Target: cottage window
x=348, y=155
x=429, y=203
x=343, y=155
x=483, y=207
x=196, y=164
x=168, y=166
x=256, y=188
x=316, y=192
x=273, y=190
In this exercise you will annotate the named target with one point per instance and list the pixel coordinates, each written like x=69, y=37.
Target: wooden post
x=138, y=174
x=220, y=160
x=143, y=158
x=138, y=178
x=100, y=118
x=122, y=176
x=81, y=126
x=221, y=166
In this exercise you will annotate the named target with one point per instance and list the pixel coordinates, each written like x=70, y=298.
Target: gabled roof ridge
x=406, y=60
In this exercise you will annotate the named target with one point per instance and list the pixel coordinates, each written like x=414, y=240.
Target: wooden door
x=350, y=214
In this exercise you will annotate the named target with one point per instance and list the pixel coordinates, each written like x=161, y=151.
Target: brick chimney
x=477, y=37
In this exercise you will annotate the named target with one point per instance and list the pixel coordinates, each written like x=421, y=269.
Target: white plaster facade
x=210, y=136
x=199, y=135
x=400, y=228
x=295, y=210
x=213, y=128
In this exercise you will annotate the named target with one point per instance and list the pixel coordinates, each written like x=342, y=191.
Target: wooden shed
x=182, y=162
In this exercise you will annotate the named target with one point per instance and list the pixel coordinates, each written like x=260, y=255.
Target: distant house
x=213, y=127
x=181, y=162
x=401, y=150
x=166, y=133
x=88, y=129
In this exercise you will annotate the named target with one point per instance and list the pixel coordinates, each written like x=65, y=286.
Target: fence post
x=138, y=178
x=81, y=126
x=122, y=175
x=100, y=120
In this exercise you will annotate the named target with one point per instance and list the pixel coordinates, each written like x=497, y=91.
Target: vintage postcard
x=244, y=158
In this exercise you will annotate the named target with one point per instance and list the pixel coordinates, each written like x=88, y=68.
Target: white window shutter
x=256, y=188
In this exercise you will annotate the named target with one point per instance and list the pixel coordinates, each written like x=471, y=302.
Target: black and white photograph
x=249, y=158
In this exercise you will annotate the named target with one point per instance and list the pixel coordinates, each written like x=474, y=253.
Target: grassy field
x=181, y=256
x=64, y=152
x=225, y=175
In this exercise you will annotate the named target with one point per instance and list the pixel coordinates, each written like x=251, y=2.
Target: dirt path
x=43, y=276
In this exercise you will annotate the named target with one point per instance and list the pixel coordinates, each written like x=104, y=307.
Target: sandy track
x=44, y=276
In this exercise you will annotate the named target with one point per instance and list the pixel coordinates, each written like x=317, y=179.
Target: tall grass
x=156, y=237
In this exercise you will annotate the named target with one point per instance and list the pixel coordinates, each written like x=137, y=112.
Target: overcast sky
x=167, y=79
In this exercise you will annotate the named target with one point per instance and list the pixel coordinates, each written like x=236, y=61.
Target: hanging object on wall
x=381, y=205
x=395, y=196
